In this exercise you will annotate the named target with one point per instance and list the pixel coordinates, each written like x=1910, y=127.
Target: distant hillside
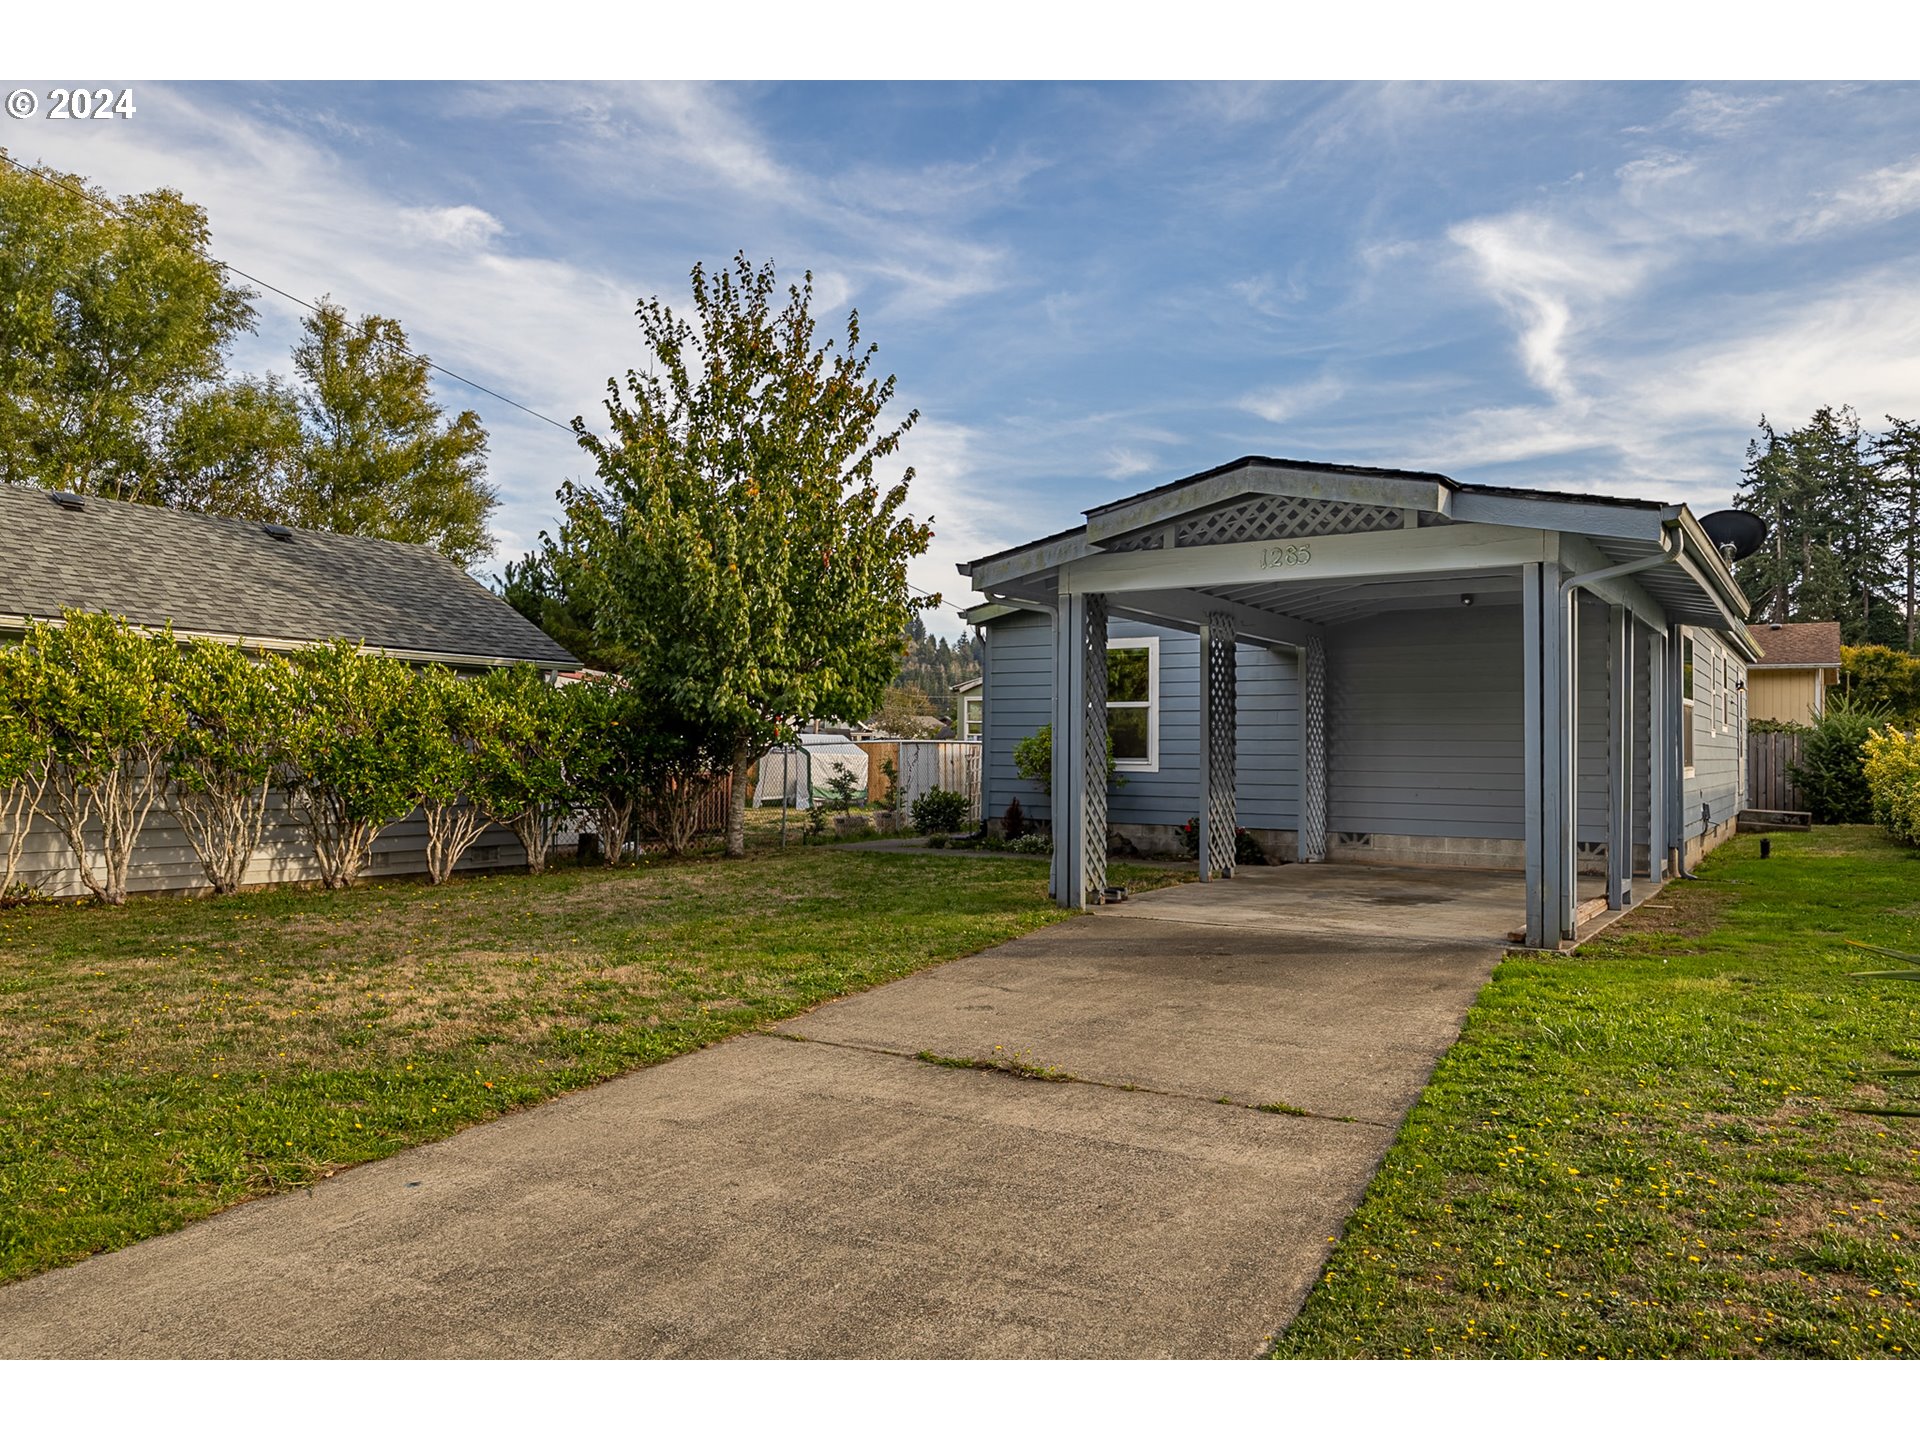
x=933, y=665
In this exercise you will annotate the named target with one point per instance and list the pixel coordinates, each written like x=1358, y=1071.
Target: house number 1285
x=1280, y=557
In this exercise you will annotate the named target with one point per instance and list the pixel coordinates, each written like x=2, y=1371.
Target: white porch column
x=1080, y=750
x=1659, y=741
x=1544, y=668
x=1620, y=757
x=1219, y=817
x=1311, y=835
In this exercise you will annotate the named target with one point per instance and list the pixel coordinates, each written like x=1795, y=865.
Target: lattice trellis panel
x=1222, y=714
x=1313, y=752
x=1149, y=540
x=1285, y=517
x=1093, y=781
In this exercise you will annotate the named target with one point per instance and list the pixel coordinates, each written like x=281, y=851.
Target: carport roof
x=1698, y=590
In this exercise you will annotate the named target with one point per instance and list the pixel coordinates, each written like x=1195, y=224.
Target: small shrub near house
x=940, y=812
x=1246, y=849
x=1830, y=772
x=1892, y=771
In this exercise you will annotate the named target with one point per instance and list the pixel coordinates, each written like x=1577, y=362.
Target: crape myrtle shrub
x=103, y=722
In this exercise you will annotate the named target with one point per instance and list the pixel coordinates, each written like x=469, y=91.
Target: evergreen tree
x=1898, y=452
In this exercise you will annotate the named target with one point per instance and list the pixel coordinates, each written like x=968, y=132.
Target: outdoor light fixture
x=1466, y=599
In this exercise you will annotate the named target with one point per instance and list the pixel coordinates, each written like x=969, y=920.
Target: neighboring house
x=268, y=587
x=969, y=709
x=1364, y=664
x=1797, y=663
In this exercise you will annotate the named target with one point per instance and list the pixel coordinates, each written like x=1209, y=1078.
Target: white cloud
x=1124, y=462
x=1548, y=276
x=1872, y=199
x=462, y=227
x=1277, y=404
x=1720, y=113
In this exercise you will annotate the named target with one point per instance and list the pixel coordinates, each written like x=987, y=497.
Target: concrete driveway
x=824, y=1191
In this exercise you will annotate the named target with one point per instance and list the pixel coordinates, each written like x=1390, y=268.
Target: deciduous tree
x=741, y=550
x=113, y=315
x=230, y=751
x=524, y=773
x=350, y=756
x=102, y=693
x=379, y=456
x=24, y=752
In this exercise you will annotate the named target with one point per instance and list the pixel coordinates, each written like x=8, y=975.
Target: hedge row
x=102, y=722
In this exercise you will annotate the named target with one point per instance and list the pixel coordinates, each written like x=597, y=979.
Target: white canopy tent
x=800, y=772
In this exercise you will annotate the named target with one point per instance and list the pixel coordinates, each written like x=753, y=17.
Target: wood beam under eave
x=1188, y=610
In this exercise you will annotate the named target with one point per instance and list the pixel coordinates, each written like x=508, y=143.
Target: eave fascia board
x=1108, y=524
x=990, y=575
x=1572, y=517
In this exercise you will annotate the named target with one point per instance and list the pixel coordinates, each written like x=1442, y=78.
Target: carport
x=1588, y=606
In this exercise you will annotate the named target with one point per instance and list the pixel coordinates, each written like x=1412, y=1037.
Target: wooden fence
x=1769, y=780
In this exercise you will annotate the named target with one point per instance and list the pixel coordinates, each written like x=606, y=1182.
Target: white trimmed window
x=1686, y=705
x=1133, y=703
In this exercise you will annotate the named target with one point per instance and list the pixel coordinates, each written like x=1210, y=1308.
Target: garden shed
x=1360, y=664
x=268, y=587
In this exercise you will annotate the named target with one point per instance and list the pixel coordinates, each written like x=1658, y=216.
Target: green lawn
x=1650, y=1148
x=162, y=1061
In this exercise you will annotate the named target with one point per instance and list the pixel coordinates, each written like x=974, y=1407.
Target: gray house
x=272, y=588
x=1358, y=664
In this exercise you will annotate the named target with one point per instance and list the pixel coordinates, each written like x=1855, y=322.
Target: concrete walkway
x=820, y=1191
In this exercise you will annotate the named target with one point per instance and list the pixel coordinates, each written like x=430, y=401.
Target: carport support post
x=1543, y=664
x=1659, y=738
x=1310, y=834
x=1218, y=816
x=1674, y=761
x=1619, y=758
x=1079, y=798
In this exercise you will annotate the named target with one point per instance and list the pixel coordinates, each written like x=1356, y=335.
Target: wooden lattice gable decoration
x=1285, y=517
x=1264, y=504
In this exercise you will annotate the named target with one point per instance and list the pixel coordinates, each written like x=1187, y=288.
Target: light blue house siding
x=1425, y=734
x=1719, y=721
x=1019, y=691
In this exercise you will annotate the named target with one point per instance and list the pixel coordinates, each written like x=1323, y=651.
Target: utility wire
x=114, y=210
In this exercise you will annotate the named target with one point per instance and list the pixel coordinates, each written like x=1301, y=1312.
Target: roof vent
x=279, y=532
x=66, y=500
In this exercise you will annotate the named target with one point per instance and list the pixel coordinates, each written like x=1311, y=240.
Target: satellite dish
x=1735, y=533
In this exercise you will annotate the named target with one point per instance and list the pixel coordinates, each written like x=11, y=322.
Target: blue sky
x=1091, y=289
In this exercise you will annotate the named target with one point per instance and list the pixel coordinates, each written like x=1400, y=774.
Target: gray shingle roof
x=216, y=576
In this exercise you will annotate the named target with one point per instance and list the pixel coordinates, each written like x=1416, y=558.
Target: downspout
x=1570, y=706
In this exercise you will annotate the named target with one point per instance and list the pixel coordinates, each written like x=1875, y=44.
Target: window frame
x=1689, y=677
x=1151, y=644
x=973, y=716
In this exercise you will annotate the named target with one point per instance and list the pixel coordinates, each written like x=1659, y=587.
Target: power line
x=112, y=209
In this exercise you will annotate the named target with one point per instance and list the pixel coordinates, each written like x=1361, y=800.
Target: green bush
x=1893, y=778
x=940, y=812
x=1830, y=771
x=1033, y=758
x=1246, y=849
